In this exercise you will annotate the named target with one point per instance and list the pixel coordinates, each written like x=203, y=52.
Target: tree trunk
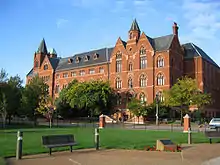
x=138, y=119
x=4, y=120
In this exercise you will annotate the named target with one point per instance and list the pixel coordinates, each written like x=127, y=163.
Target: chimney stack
x=175, y=29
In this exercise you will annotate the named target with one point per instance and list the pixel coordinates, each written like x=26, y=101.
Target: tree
x=137, y=108
x=32, y=96
x=13, y=95
x=3, y=109
x=185, y=93
x=94, y=96
x=46, y=107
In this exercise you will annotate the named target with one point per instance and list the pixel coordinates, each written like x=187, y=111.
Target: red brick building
x=141, y=66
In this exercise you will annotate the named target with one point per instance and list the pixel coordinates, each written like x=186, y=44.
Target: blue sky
x=73, y=26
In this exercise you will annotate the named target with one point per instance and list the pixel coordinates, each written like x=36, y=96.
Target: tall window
x=45, y=67
x=161, y=97
x=143, y=98
x=57, y=89
x=65, y=75
x=73, y=74
x=143, y=62
x=130, y=83
x=118, y=62
x=101, y=70
x=160, y=62
x=57, y=76
x=91, y=71
x=130, y=66
x=81, y=72
x=143, y=81
x=36, y=63
x=118, y=83
x=64, y=85
x=160, y=79
x=142, y=51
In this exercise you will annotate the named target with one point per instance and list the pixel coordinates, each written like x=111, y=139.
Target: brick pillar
x=102, y=121
x=186, y=123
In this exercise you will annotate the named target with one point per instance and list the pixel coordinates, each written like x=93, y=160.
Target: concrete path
x=191, y=155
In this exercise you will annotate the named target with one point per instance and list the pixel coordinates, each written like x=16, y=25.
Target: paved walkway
x=202, y=154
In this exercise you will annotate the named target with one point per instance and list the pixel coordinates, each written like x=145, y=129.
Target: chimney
x=175, y=29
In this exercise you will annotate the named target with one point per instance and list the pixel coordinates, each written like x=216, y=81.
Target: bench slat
x=60, y=145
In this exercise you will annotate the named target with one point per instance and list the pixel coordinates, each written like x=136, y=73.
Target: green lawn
x=110, y=138
x=2, y=161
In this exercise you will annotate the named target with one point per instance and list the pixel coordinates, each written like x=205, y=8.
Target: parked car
x=214, y=123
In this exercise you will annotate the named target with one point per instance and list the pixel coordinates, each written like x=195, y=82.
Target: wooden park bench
x=212, y=134
x=54, y=141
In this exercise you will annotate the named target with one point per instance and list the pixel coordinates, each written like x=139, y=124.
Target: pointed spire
x=134, y=25
x=42, y=48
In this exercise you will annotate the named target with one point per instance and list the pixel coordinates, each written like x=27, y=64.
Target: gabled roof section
x=103, y=57
x=30, y=73
x=42, y=47
x=54, y=62
x=134, y=26
x=191, y=51
x=149, y=39
x=162, y=43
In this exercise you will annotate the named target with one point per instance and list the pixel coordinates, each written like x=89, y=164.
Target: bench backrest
x=212, y=134
x=57, y=139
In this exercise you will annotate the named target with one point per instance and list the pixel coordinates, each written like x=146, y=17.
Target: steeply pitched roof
x=42, y=47
x=162, y=43
x=134, y=26
x=191, y=51
x=103, y=57
x=30, y=73
x=54, y=62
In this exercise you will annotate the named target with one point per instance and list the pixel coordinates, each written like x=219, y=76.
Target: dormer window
x=86, y=58
x=77, y=59
x=96, y=56
x=45, y=66
x=70, y=60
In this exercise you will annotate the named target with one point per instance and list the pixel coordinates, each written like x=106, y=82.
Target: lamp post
x=157, y=113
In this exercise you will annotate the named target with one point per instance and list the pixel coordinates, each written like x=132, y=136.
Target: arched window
x=160, y=96
x=143, y=81
x=45, y=67
x=57, y=89
x=118, y=62
x=130, y=83
x=143, y=98
x=160, y=79
x=160, y=62
x=118, y=83
x=142, y=51
x=130, y=66
x=36, y=63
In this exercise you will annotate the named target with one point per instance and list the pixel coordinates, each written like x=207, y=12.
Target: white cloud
x=202, y=17
x=61, y=23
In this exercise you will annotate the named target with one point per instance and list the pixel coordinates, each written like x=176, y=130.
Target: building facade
x=139, y=67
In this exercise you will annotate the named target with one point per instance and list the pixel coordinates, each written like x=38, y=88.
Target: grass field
x=2, y=162
x=109, y=138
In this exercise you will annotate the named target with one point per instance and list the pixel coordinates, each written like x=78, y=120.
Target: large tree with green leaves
x=32, y=96
x=94, y=96
x=185, y=93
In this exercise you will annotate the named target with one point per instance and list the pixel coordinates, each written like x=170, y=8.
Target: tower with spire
x=134, y=32
x=40, y=54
